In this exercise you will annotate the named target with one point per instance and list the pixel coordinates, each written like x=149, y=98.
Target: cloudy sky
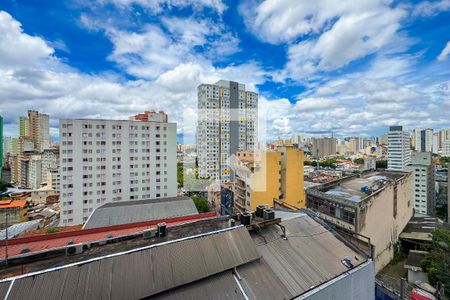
x=351, y=67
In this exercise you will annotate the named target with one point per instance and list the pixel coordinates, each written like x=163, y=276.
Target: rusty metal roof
x=126, y=212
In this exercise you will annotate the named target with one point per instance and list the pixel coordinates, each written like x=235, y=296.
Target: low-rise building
x=376, y=205
x=13, y=212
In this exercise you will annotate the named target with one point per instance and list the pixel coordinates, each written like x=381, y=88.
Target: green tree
x=359, y=161
x=4, y=186
x=201, y=204
x=381, y=164
x=445, y=160
x=437, y=262
x=180, y=174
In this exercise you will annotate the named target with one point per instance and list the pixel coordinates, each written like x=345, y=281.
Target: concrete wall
x=414, y=276
x=357, y=284
x=383, y=223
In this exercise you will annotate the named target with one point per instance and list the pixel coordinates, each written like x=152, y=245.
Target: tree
x=359, y=161
x=180, y=174
x=4, y=186
x=201, y=204
x=381, y=164
x=445, y=160
x=437, y=262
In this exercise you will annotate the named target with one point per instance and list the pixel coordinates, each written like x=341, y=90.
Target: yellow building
x=269, y=177
x=292, y=184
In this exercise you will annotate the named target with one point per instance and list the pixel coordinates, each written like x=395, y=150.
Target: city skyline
x=387, y=71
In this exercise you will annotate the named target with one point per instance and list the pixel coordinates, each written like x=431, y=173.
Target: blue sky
x=351, y=67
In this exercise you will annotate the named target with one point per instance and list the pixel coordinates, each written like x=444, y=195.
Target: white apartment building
x=423, y=140
x=399, y=153
x=445, y=150
x=423, y=185
x=50, y=160
x=227, y=115
x=114, y=160
x=35, y=172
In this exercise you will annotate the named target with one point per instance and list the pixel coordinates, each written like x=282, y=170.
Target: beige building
x=322, y=147
x=377, y=205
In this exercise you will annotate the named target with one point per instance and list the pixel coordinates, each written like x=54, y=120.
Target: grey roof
x=16, y=229
x=224, y=264
x=420, y=228
x=415, y=258
x=125, y=212
x=142, y=272
x=310, y=256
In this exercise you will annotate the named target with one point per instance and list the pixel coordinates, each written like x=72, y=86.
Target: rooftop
x=125, y=212
x=420, y=228
x=357, y=188
x=220, y=263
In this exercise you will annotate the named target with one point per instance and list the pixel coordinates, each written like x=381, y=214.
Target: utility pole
x=6, y=237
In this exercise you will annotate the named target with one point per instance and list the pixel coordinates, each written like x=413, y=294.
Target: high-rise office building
x=423, y=185
x=114, y=160
x=322, y=147
x=399, y=152
x=227, y=115
x=24, y=126
x=423, y=140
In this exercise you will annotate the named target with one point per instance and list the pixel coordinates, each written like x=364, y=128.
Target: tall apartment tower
x=39, y=130
x=114, y=160
x=322, y=147
x=423, y=140
x=423, y=185
x=399, y=152
x=227, y=115
x=24, y=126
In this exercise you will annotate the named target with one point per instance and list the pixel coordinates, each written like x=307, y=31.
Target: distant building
x=53, y=179
x=445, y=149
x=151, y=116
x=24, y=127
x=399, y=153
x=227, y=116
x=376, y=205
x=39, y=130
x=35, y=172
x=436, y=145
x=370, y=163
x=383, y=139
x=423, y=140
x=105, y=161
x=322, y=147
x=271, y=177
x=423, y=183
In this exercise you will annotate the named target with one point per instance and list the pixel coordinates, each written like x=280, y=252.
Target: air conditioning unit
x=74, y=249
x=149, y=233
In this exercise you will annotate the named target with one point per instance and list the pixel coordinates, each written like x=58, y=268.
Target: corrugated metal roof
x=16, y=229
x=309, y=257
x=142, y=272
x=126, y=212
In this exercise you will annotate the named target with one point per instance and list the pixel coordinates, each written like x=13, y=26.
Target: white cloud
x=18, y=49
x=431, y=8
x=445, y=52
x=158, y=6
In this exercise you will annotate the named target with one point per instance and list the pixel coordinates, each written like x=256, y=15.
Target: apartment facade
x=227, y=116
x=114, y=160
x=399, y=152
x=423, y=184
